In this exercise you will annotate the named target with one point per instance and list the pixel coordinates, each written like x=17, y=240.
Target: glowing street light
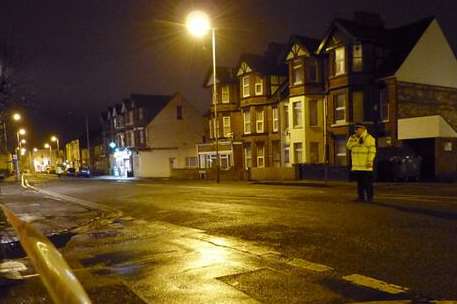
x=199, y=24
x=47, y=146
x=21, y=131
x=23, y=141
x=16, y=116
x=35, y=150
x=23, y=150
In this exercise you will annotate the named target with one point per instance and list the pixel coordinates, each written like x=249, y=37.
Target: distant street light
x=23, y=150
x=198, y=24
x=21, y=131
x=18, y=149
x=23, y=141
x=16, y=116
x=35, y=150
x=48, y=146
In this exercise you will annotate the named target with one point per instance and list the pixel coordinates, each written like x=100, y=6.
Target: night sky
x=82, y=55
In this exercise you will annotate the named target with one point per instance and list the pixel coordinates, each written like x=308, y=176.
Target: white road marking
x=300, y=263
x=372, y=283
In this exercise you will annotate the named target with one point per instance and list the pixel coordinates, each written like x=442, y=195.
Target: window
x=248, y=156
x=258, y=86
x=340, y=108
x=247, y=122
x=259, y=121
x=179, y=112
x=286, y=117
x=211, y=126
x=383, y=104
x=260, y=155
x=297, y=114
x=297, y=72
x=225, y=94
x=357, y=106
x=339, y=61
x=312, y=71
x=132, y=138
x=286, y=154
x=129, y=117
x=140, y=114
x=218, y=128
x=246, y=88
x=191, y=162
x=314, y=152
x=226, y=126
x=276, y=153
x=274, y=83
x=275, y=115
x=225, y=161
x=298, y=153
x=115, y=123
x=357, y=58
x=313, y=113
x=340, y=151
x=141, y=135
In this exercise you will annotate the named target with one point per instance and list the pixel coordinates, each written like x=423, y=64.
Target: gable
x=431, y=61
x=244, y=68
x=296, y=51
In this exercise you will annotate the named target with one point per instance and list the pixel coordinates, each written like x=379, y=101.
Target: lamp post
x=14, y=117
x=48, y=146
x=56, y=139
x=198, y=24
x=19, y=133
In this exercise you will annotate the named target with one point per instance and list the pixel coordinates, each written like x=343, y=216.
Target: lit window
x=245, y=89
x=259, y=121
x=298, y=153
x=275, y=115
x=339, y=61
x=247, y=122
x=226, y=126
x=340, y=151
x=260, y=155
x=297, y=72
x=340, y=108
x=297, y=114
x=248, y=156
x=258, y=86
x=357, y=58
x=225, y=94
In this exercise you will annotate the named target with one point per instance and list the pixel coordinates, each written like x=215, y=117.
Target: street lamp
x=16, y=117
x=199, y=24
x=19, y=133
x=48, y=146
x=35, y=150
x=56, y=139
x=23, y=141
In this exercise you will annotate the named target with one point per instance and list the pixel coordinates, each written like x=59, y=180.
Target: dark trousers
x=364, y=184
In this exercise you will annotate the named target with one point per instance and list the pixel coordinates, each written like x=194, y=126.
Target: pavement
x=158, y=241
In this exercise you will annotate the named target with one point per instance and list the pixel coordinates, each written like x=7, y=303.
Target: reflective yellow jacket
x=363, y=152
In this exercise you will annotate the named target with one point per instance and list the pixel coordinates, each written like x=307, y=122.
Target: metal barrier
x=59, y=280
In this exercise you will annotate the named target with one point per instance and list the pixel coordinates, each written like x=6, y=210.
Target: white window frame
x=275, y=118
x=226, y=125
x=248, y=156
x=296, y=66
x=357, y=56
x=340, y=61
x=298, y=150
x=343, y=152
x=297, y=118
x=247, y=122
x=225, y=94
x=245, y=86
x=340, y=108
x=260, y=121
x=192, y=162
x=225, y=158
x=287, y=154
x=258, y=86
x=260, y=156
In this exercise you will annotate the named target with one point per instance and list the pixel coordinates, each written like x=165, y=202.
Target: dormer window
x=225, y=94
x=258, y=86
x=245, y=84
x=340, y=62
x=297, y=72
x=357, y=58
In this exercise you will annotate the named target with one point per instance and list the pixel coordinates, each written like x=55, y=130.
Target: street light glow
x=23, y=150
x=16, y=116
x=35, y=150
x=46, y=146
x=23, y=141
x=22, y=132
x=53, y=138
x=198, y=23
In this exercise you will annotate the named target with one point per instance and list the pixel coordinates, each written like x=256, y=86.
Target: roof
x=310, y=44
x=271, y=62
x=224, y=75
x=153, y=104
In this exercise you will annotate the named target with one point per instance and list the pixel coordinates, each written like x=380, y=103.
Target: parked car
x=71, y=172
x=84, y=172
x=60, y=170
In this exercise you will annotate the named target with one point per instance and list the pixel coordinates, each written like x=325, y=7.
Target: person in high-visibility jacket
x=363, y=152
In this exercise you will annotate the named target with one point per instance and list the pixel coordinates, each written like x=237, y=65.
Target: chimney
x=368, y=19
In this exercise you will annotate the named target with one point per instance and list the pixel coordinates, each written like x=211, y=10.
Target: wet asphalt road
x=408, y=236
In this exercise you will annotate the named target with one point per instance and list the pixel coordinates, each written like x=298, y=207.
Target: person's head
x=360, y=129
